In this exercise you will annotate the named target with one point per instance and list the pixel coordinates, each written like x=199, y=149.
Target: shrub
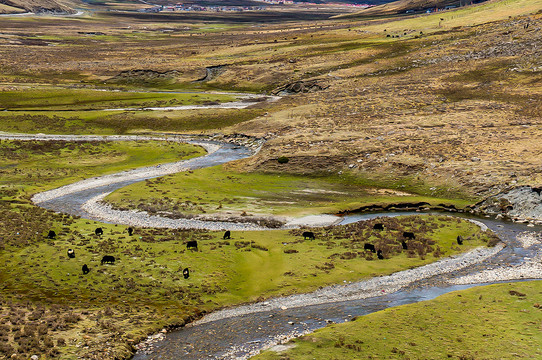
x=283, y=160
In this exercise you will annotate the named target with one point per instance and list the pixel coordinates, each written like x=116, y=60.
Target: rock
x=523, y=204
x=212, y=72
x=142, y=75
x=34, y=357
x=301, y=87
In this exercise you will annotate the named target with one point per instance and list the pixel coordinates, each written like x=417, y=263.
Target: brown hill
x=411, y=6
x=35, y=6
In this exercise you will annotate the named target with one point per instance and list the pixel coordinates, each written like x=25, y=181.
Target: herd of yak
x=109, y=259
x=193, y=245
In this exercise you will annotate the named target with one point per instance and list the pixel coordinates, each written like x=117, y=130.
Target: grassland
x=27, y=167
x=82, y=111
x=402, y=94
x=493, y=322
x=124, y=122
x=440, y=109
x=42, y=98
x=216, y=191
x=104, y=312
x=50, y=308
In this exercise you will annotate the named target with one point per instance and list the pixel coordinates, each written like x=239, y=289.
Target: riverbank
x=453, y=325
x=447, y=273
x=248, y=247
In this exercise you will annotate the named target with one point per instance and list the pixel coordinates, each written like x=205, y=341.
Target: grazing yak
x=99, y=231
x=378, y=227
x=71, y=253
x=308, y=235
x=51, y=235
x=227, y=235
x=186, y=273
x=379, y=255
x=409, y=235
x=85, y=269
x=459, y=240
x=108, y=259
x=192, y=244
x=404, y=245
x=370, y=247
x=130, y=231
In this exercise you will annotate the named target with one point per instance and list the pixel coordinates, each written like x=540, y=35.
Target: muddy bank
x=417, y=206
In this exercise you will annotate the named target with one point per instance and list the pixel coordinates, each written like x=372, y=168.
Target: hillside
x=412, y=6
x=35, y=6
x=443, y=109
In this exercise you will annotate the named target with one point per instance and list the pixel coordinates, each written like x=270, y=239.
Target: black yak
x=71, y=253
x=308, y=235
x=368, y=246
x=192, y=244
x=85, y=269
x=108, y=259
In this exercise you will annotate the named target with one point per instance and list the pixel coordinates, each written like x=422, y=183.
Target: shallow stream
x=240, y=332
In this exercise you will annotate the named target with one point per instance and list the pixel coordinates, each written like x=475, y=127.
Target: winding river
x=240, y=332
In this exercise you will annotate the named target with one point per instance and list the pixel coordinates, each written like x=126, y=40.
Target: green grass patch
x=491, y=322
x=250, y=265
x=33, y=166
x=217, y=190
x=46, y=98
x=144, y=290
x=123, y=122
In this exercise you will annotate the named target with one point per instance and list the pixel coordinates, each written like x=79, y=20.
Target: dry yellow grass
x=455, y=106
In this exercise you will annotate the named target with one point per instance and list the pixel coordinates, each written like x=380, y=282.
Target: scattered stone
x=523, y=203
x=301, y=87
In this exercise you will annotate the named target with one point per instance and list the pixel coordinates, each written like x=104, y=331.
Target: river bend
x=238, y=333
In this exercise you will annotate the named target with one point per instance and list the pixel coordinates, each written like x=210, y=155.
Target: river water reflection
x=238, y=337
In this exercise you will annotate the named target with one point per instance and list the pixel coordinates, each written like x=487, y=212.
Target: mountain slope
x=404, y=6
x=35, y=6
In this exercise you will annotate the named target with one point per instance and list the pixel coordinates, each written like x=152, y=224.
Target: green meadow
x=219, y=190
x=122, y=122
x=492, y=322
x=33, y=166
x=145, y=290
x=46, y=98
